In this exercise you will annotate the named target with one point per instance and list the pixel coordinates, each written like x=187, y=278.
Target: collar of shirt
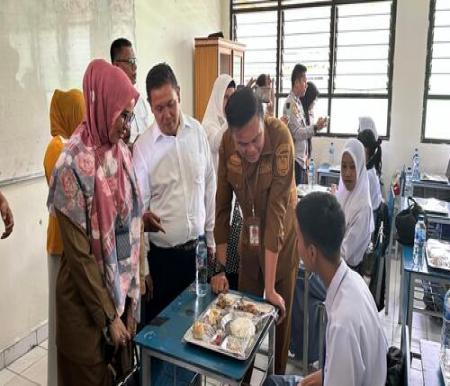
x=335, y=284
x=158, y=133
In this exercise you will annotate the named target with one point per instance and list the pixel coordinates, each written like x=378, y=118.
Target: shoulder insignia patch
x=282, y=159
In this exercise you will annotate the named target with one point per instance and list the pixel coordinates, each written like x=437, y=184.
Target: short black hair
x=232, y=84
x=242, y=107
x=158, y=76
x=322, y=223
x=367, y=138
x=298, y=71
x=261, y=80
x=116, y=47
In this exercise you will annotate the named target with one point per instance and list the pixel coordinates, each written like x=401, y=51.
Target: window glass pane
x=363, y=37
x=442, y=18
x=441, y=50
x=258, y=31
x=441, y=34
x=436, y=127
x=345, y=113
x=439, y=84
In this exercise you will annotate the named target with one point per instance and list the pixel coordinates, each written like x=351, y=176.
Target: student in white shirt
x=123, y=56
x=176, y=177
x=355, y=344
x=354, y=196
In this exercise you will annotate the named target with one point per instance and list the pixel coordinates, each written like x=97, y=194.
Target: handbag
x=405, y=222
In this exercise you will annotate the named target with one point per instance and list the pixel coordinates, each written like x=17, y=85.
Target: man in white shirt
x=294, y=116
x=122, y=56
x=355, y=345
x=176, y=176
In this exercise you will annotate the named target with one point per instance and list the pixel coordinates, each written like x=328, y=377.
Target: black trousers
x=301, y=176
x=172, y=270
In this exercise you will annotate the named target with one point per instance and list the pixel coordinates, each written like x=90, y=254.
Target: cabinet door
x=225, y=57
x=238, y=67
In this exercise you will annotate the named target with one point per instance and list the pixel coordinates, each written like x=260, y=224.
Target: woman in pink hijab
x=94, y=195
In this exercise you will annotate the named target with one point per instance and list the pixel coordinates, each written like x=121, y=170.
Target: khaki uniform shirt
x=274, y=198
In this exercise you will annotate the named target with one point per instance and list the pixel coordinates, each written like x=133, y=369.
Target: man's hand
x=211, y=253
x=152, y=223
x=119, y=333
x=284, y=119
x=314, y=379
x=275, y=298
x=7, y=216
x=321, y=123
x=219, y=283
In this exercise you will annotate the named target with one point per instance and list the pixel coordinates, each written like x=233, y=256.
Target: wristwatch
x=219, y=268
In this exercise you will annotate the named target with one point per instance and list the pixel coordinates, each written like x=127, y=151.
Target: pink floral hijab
x=94, y=182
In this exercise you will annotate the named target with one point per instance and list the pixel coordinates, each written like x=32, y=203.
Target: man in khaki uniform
x=256, y=163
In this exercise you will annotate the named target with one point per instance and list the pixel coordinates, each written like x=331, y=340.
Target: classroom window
x=437, y=78
x=346, y=45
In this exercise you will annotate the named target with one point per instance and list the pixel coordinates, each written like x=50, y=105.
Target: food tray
x=231, y=325
x=438, y=254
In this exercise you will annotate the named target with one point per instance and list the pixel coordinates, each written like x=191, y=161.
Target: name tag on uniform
x=253, y=224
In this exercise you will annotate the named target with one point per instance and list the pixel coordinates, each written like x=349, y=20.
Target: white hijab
x=359, y=198
x=214, y=121
x=367, y=123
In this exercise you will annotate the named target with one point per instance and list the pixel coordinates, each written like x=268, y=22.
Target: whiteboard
x=44, y=45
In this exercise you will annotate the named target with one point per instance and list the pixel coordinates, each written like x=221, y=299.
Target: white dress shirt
x=141, y=119
x=356, y=347
x=177, y=181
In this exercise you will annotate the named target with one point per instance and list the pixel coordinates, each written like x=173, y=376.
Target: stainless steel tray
x=438, y=254
x=216, y=328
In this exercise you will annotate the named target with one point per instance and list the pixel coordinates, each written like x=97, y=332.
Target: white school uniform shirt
x=141, y=119
x=177, y=182
x=357, y=207
x=375, y=190
x=356, y=346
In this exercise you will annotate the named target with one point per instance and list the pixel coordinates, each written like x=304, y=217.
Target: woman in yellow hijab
x=67, y=110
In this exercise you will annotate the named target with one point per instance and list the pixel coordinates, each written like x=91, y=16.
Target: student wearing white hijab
x=354, y=196
x=214, y=120
x=367, y=123
x=215, y=124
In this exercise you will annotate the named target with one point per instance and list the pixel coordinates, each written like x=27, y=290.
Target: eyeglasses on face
x=130, y=61
x=127, y=117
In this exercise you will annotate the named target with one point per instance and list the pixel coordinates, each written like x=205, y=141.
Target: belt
x=187, y=246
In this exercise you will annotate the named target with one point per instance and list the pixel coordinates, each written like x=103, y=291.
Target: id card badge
x=254, y=227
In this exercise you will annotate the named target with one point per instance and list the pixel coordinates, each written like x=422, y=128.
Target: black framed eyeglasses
x=130, y=61
x=127, y=117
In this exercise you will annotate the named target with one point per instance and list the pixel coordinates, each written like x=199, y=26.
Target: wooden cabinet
x=214, y=57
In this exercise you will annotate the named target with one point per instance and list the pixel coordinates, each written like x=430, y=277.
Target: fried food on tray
x=198, y=330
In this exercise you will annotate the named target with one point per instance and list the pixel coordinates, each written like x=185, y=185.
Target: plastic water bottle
x=331, y=154
x=445, y=335
x=201, y=277
x=311, y=173
x=416, y=165
x=420, y=236
x=408, y=182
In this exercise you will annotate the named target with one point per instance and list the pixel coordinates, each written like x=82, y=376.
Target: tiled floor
x=31, y=369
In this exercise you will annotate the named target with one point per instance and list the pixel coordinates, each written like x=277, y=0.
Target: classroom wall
x=164, y=31
x=408, y=88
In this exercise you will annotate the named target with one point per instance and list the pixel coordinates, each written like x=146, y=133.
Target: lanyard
x=252, y=190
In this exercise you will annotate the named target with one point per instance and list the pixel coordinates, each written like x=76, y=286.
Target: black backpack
x=406, y=220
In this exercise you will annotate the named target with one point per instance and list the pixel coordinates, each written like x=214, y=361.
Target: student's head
x=262, y=80
x=122, y=56
x=244, y=114
x=163, y=95
x=310, y=97
x=372, y=149
x=298, y=80
x=352, y=163
x=320, y=230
